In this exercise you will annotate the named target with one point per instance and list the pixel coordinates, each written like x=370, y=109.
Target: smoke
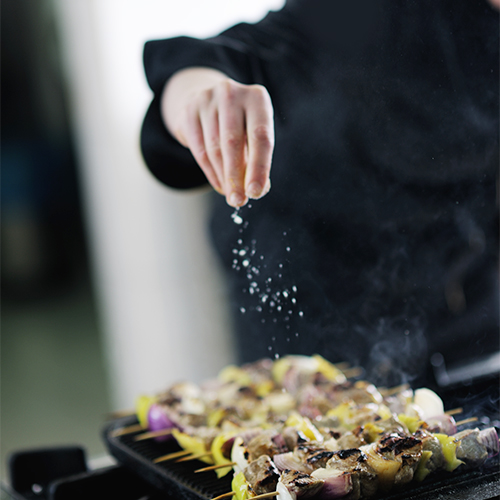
x=398, y=352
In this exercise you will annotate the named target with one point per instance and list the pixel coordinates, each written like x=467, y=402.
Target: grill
x=62, y=474
x=179, y=480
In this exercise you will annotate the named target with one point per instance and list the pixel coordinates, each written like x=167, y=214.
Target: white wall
x=162, y=298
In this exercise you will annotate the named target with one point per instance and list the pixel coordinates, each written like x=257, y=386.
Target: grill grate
x=180, y=480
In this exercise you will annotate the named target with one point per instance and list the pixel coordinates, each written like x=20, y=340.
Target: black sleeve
x=238, y=52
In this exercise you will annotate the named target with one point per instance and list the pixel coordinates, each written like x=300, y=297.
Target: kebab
x=310, y=400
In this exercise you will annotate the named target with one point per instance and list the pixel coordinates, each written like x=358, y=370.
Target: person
x=377, y=123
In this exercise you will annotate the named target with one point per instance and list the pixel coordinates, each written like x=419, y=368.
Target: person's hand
x=227, y=126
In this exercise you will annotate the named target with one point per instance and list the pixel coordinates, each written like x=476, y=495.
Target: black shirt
x=378, y=243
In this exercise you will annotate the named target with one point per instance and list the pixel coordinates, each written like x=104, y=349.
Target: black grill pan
x=181, y=482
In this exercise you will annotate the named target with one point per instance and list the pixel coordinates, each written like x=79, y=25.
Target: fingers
x=260, y=139
x=202, y=138
x=230, y=131
x=233, y=141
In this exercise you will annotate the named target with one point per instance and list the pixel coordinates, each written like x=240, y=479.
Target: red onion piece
x=158, y=420
x=444, y=424
x=489, y=438
x=284, y=461
x=337, y=484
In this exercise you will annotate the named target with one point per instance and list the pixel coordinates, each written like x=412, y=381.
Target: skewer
x=195, y=457
x=258, y=497
x=266, y=495
x=153, y=434
x=455, y=411
x=215, y=467
x=466, y=421
x=225, y=495
x=350, y=373
x=113, y=415
x=171, y=456
x=344, y=365
x=394, y=390
x=128, y=430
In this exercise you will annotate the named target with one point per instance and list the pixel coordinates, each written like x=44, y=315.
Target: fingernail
x=254, y=190
x=236, y=199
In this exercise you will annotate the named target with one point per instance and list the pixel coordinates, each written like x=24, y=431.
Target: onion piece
x=283, y=493
x=444, y=424
x=336, y=484
x=489, y=438
x=284, y=461
x=239, y=454
x=428, y=402
x=158, y=420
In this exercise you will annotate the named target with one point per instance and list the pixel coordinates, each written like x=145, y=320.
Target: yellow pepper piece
x=305, y=425
x=142, y=406
x=386, y=469
x=264, y=388
x=192, y=444
x=373, y=431
x=233, y=373
x=215, y=417
x=218, y=456
x=240, y=487
x=280, y=367
x=449, y=447
x=344, y=412
x=411, y=423
x=327, y=369
x=422, y=471
x=384, y=412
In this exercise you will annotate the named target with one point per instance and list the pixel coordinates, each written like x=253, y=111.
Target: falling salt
x=301, y=314
x=269, y=348
x=276, y=356
x=287, y=249
x=242, y=252
x=243, y=310
x=246, y=263
x=297, y=334
x=236, y=218
x=294, y=288
x=279, y=308
x=285, y=294
x=294, y=300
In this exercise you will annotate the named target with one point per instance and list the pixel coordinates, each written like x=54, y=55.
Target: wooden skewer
x=394, y=390
x=258, y=497
x=153, y=434
x=344, y=365
x=171, y=456
x=128, y=430
x=195, y=457
x=455, y=411
x=215, y=467
x=119, y=414
x=466, y=421
x=225, y=495
x=349, y=373
x=265, y=495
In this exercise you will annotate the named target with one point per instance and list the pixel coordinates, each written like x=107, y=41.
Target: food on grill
x=298, y=428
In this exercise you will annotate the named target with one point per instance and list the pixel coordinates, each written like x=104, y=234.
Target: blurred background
x=109, y=285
